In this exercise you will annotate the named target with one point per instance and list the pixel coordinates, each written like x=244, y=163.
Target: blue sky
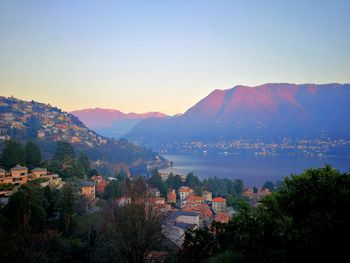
x=166, y=55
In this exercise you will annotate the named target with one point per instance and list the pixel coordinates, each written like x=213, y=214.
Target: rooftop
x=176, y=214
x=219, y=200
x=19, y=168
x=39, y=169
x=185, y=189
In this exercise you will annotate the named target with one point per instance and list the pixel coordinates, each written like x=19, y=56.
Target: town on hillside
x=34, y=120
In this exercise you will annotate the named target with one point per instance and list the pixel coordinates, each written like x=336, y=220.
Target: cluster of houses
x=19, y=175
x=55, y=124
x=256, y=195
x=192, y=212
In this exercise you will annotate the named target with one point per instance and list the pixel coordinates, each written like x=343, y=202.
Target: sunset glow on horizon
x=141, y=56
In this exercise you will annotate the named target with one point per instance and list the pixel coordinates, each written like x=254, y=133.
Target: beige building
x=88, y=190
x=185, y=191
x=219, y=205
x=38, y=172
x=208, y=196
x=19, y=174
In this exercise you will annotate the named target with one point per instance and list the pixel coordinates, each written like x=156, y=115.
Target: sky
x=139, y=56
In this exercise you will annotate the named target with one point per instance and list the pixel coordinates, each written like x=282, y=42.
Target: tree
x=93, y=172
x=306, y=219
x=128, y=232
x=157, y=182
x=269, y=185
x=112, y=190
x=84, y=162
x=26, y=210
x=66, y=209
x=33, y=155
x=12, y=155
x=174, y=181
x=64, y=156
x=193, y=181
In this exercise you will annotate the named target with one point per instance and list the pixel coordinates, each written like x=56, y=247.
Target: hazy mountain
x=266, y=111
x=112, y=123
x=30, y=120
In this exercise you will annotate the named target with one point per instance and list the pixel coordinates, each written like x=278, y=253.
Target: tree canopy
x=306, y=219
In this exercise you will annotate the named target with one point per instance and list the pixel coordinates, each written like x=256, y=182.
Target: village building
x=38, y=172
x=222, y=218
x=153, y=192
x=88, y=189
x=208, y=196
x=176, y=224
x=184, y=191
x=248, y=192
x=171, y=196
x=218, y=205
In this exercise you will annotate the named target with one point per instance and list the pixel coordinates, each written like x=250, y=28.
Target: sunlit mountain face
x=269, y=111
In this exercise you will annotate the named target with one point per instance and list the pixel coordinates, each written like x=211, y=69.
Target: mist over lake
x=253, y=170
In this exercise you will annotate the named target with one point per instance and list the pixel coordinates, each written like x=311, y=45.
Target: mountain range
x=113, y=123
x=263, y=112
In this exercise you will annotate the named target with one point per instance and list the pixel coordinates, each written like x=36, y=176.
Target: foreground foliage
x=306, y=219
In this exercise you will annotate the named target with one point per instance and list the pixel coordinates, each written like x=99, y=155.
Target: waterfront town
x=317, y=147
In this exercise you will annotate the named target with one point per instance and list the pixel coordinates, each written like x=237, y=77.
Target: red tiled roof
x=219, y=200
x=185, y=189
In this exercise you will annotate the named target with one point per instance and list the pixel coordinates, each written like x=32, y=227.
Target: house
x=184, y=191
x=153, y=192
x=54, y=180
x=222, y=218
x=194, y=199
x=2, y=173
x=208, y=196
x=176, y=224
x=100, y=187
x=88, y=189
x=248, y=192
x=218, y=205
x=171, y=196
x=38, y=172
x=204, y=211
x=97, y=178
x=19, y=174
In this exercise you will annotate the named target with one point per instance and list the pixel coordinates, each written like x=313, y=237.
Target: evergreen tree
x=64, y=155
x=12, y=155
x=26, y=210
x=174, y=181
x=269, y=185
x=84, y=162
x=33, y=155
x=66, y=209
x=112, y=190
x=157, y=182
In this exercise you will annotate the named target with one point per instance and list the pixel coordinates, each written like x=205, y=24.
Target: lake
x=253, y=170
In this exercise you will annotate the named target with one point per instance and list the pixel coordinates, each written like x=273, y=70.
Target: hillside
x=23, y=121
x=266, y=111
x=112, y=123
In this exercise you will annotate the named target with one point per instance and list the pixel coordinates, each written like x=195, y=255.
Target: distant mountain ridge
x=269, y=110
x=111, y=122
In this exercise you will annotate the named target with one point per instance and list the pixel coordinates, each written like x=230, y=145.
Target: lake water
x=253, y=170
